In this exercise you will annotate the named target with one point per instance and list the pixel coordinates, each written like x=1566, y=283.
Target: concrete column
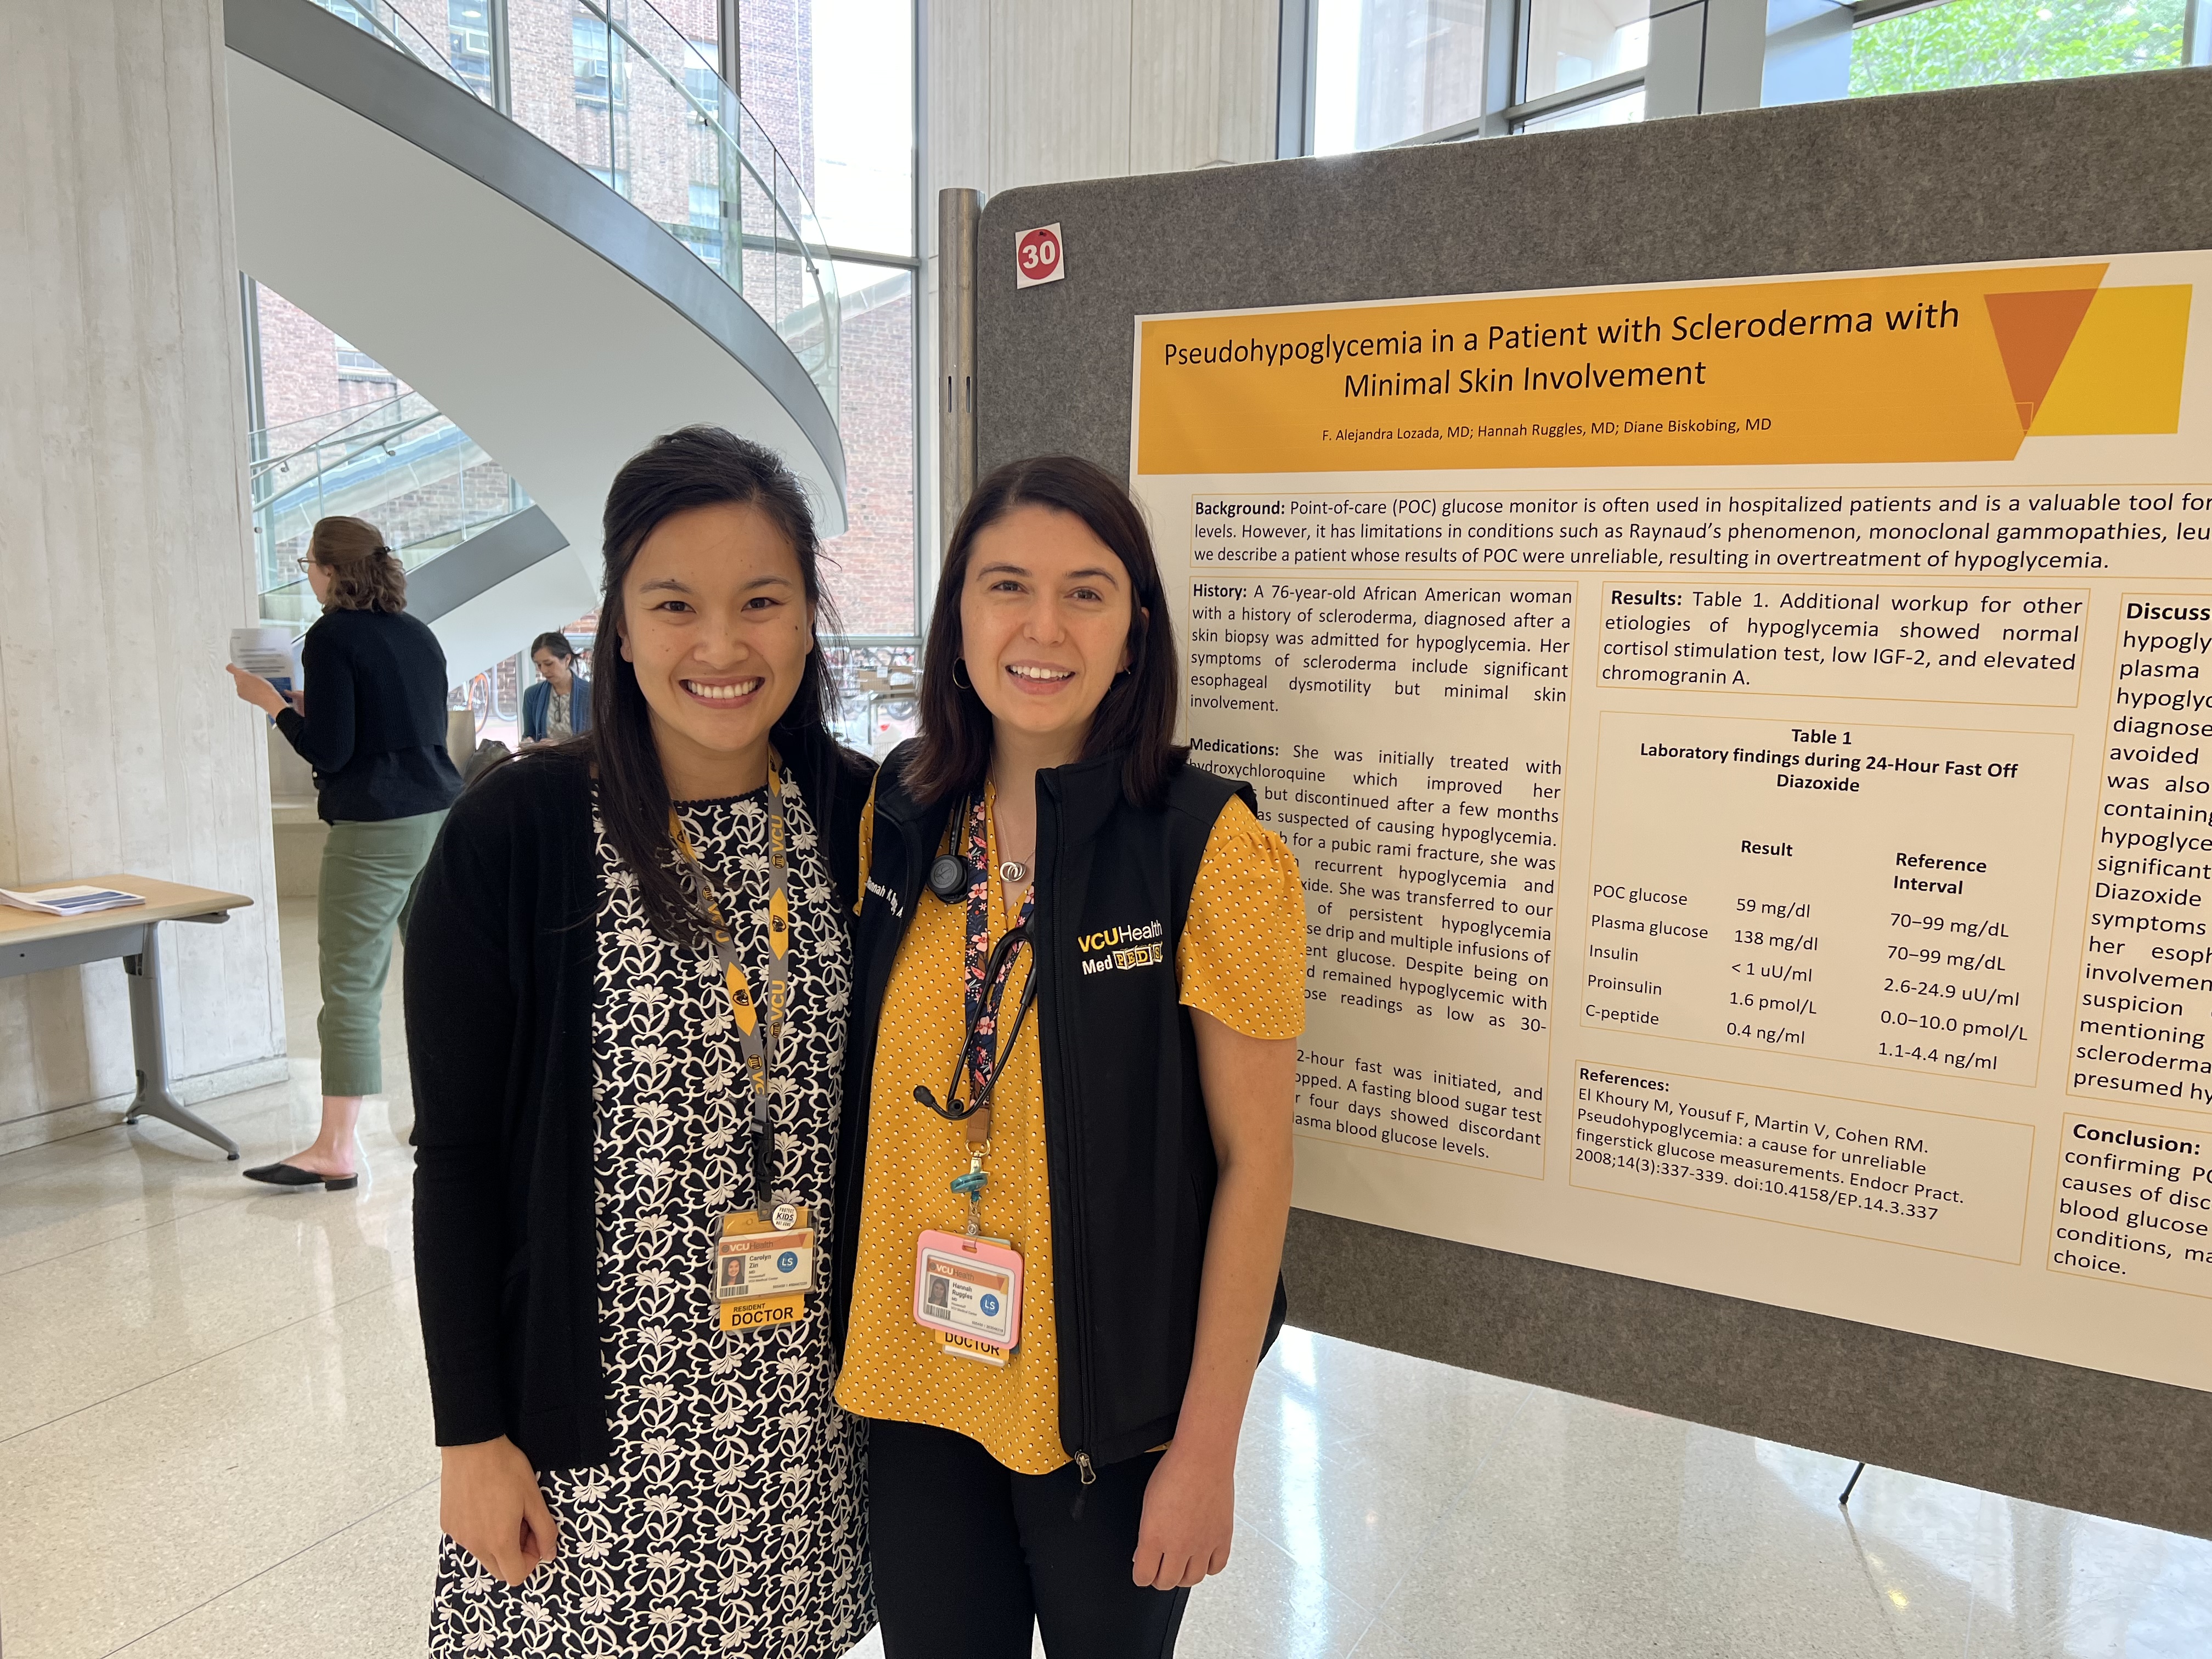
x=124, y=547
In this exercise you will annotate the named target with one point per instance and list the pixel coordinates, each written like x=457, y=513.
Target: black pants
x=968, y=1553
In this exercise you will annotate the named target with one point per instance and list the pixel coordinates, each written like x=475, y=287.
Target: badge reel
x=968, y=1288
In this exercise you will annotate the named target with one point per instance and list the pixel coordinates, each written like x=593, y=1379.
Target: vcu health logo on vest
x=1140, y=945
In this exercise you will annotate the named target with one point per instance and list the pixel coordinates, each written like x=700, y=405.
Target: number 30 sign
x=1038, y=257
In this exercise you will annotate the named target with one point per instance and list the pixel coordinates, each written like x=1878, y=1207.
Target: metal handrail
x=360, y=443
x=422, y=52
x=280, y=494
x=712, y=119
x=358, y=411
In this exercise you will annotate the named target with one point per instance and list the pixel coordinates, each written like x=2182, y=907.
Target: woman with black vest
x=1080, y=978
x=628, y=974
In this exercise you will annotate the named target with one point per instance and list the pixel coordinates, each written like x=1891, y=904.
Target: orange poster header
x=1929, y=366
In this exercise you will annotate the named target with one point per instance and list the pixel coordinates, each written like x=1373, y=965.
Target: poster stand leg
x=1845, y=1501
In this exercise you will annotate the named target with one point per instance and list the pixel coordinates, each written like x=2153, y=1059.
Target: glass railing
x=627, y=94
x=398, y=463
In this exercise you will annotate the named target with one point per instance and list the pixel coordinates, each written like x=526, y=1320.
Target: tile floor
x=215, y=1444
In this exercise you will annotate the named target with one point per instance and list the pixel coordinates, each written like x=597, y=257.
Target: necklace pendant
x=1012, y=870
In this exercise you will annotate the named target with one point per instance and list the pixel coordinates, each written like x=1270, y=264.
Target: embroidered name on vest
x=1109, y=948
x=888, y=897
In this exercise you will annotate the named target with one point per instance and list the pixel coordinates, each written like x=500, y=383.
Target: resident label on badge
x=763, y=1272
x=969, y=1290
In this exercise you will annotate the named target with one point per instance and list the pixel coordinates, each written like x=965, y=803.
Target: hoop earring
x=959, y=674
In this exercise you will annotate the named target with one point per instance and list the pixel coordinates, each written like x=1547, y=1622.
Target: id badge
x=969, y=1290
x=762, y=1271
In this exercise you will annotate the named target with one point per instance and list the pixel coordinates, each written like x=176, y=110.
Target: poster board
x=1745, y=1293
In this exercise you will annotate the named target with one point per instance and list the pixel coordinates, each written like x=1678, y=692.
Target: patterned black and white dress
x=732, y=1519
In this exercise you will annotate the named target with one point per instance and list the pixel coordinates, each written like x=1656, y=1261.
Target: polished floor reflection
x=215, y=1444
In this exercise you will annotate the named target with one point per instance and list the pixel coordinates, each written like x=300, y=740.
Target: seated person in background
x=559, y=706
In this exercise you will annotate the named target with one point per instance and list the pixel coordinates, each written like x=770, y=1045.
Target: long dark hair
x=1136, y=719
x=696, y=466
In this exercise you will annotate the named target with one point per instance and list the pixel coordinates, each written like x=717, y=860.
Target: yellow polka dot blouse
x=1242, y=960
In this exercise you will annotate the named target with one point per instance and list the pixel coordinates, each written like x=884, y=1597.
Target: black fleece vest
x=1127, y=1148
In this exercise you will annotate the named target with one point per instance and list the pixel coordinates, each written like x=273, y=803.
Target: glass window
x=468, y=43
x=1388, y=70
x=872, y=564
x=834, y=89
x=355, y=364
x=701, y=75
x=833, y=85
x=1574, y=42
x=706, y=226
x=593, y=72
x=1619, y=110
x=1973, y=43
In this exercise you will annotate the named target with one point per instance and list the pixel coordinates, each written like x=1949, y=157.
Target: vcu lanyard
x=968, y=1288
x=987, y=971
x=987, y=967
x=757, y=1038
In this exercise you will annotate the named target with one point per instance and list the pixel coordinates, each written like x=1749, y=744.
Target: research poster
x=1748, y=745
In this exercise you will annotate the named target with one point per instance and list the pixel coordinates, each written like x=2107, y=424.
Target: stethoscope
x=950, y=878
x=999, y=962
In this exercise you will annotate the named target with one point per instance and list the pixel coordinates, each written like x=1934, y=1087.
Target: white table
x=31, y=943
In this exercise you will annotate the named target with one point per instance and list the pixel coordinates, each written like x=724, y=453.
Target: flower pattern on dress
x=732, y=1518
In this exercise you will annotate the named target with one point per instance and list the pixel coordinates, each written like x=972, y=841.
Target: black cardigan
x=501, y=959
x=375, y=726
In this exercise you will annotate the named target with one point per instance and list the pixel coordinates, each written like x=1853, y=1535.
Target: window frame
x=1504, y=74
x=915, y=262
x=1506, y=50
x=579, y=27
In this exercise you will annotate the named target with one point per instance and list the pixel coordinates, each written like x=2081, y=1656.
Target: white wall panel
x=125, y=549
x=1059, y=81
x=1202, y=83
x=1023, y=94
x=1018, y=92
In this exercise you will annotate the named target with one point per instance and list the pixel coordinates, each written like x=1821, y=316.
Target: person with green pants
x=372, y=723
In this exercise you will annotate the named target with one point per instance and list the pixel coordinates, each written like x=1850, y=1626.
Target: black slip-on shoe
x=290, y=1175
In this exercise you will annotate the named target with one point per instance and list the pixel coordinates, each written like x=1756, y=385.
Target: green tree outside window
x=1975, y=43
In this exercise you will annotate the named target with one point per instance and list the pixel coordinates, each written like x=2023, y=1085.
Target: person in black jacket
x=1079, y=971
x=628, y=976
x=371, y=722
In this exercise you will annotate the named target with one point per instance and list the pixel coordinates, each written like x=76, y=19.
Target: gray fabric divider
x=2059, y=169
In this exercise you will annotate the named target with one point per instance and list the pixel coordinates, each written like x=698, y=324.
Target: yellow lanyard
x=756, y=1043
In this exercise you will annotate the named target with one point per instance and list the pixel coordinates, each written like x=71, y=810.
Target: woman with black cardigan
x=372, y=723
x=628, y=973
